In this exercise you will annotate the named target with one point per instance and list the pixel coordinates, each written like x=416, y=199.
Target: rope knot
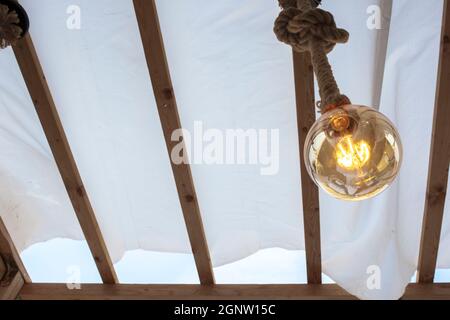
x=298, y=28
x=10, y=31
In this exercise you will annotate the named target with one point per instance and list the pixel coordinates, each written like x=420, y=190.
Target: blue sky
x=60, y=260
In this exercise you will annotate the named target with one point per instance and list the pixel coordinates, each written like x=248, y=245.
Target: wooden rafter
x=3, y=268
x=12, y=271
x=439, y=162
x=153, y=44
x=34, y=77
x=306, y=116
x=9, y=253
x=11, y=290
x=215, y=292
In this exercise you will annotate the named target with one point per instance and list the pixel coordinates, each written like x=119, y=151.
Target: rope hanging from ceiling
x=352, y=152
x=14, y=23
x=307, y=28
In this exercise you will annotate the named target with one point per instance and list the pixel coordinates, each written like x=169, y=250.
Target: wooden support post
x=306, y=116
x=10, y=289
x=12, y=271
x=34, y=77
x=439, y=162
x=155, y=54
x=8, y=254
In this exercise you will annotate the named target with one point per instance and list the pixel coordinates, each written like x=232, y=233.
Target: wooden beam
x=306, y=116
x=3, y=268
x=215, y=292
x=13, y=274
x=34, y=77
x=9, y=254
x=439, y=162
x=153, y=44
x=184, y=292
x=431, y=291
x=10, y=290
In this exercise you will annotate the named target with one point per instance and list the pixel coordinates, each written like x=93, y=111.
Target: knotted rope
x=10, y=31
x=306, y=28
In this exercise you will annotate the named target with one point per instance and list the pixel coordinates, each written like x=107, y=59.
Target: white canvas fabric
x=229, y=72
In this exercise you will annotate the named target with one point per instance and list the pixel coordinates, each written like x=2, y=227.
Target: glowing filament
x=351, y=155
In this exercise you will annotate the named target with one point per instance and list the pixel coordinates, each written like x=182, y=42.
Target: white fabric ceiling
x=229, y=71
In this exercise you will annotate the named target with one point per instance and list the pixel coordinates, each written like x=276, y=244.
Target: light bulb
x=353, y=152
x=352, y=155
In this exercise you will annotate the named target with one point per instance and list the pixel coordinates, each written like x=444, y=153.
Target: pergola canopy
x=87, y=156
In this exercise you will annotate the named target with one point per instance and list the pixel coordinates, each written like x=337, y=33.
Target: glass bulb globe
x=353, y=152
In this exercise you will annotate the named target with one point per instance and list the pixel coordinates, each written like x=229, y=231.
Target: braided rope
x=311, y=29
x=293, y=3
x=10, y=32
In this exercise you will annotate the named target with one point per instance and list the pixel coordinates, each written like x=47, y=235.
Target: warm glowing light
x=353, y=152
x=351, y=155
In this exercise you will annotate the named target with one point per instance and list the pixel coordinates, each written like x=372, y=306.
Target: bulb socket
x=340, y=122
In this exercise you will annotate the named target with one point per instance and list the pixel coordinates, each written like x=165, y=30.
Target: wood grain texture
x=9, y=251
x=439, y=162
x=216, y=292
x=306, y=116
x=184, y=292
x=45, y=107
x=153, y=44
x=13, y=288
x=2, y=268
